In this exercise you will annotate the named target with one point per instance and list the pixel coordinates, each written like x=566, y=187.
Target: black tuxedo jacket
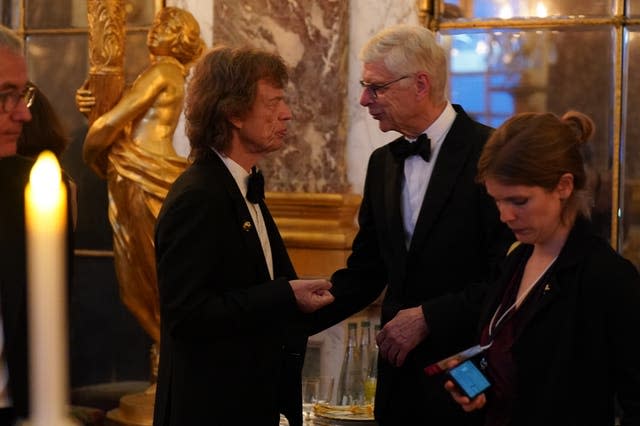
x=14, y=175
x=577, y=348
x=230, y=350
x=457, y=238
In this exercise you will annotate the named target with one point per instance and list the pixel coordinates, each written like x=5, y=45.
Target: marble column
x=312, y=38
x=367, y=18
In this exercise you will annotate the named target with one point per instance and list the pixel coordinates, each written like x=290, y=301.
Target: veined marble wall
x=367, y=18
x=331, y=135
x=312, y=38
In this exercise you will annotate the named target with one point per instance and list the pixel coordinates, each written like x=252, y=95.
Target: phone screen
x=469, y=378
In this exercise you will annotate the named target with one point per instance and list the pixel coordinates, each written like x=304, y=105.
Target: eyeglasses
x=9, y=100
x=373, y=88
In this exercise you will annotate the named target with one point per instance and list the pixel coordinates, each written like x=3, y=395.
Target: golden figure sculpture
x=131, y=145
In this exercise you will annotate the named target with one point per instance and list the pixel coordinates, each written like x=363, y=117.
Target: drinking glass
x=315, y=390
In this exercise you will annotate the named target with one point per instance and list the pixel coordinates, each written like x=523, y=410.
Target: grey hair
x=9, y=40
x=407, y=49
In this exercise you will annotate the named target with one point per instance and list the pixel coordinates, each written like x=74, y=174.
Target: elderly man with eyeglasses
x=16, y=95
x=427, y=230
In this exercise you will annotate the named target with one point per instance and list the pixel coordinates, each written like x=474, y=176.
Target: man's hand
x=311, y=295
x=400, y=335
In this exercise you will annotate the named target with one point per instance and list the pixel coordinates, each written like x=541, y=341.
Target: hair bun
x=581, y=125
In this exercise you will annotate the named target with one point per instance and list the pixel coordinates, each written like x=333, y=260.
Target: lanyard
x=519, y=300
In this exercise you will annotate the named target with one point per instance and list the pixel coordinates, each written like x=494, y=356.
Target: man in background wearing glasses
x=427, y=230
x=16, y=94
x=15, y=97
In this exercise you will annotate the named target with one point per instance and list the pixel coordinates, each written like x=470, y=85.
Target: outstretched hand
x=311, y=295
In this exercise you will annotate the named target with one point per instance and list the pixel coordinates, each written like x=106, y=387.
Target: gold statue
x=131, y=145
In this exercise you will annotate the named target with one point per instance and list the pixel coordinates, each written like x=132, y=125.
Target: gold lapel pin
x=547, y=287
x=246, y=226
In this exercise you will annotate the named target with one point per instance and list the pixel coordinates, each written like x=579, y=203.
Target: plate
x=344, y=412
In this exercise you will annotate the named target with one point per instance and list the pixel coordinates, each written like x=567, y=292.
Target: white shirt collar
x=240, y=175
x=443, y=123
x=439, y=128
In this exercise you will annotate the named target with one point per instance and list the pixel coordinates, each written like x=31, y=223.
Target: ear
x=236, y=121
x=564, y=188
x=423, y=84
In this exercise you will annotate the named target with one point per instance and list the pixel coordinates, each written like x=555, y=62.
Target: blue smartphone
x=468, y=377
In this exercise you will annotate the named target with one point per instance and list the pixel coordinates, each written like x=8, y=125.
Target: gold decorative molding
x=317, y=228
x=424, y=12
x=106, y=53
x=315, y=220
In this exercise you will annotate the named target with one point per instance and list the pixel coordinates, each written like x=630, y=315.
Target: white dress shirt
x=241, y=176
x=417, y=172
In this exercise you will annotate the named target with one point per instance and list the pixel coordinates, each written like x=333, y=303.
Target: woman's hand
x=467, y=404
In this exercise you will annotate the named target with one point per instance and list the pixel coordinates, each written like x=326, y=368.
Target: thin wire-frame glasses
x=373, y=87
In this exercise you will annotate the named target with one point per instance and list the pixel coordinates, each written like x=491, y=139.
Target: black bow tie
x=402, y=148
x=255, y=186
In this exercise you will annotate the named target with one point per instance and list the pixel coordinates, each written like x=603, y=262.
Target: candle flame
x=45, y=179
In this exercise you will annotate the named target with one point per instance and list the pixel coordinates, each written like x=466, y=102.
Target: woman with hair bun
x=561, y=321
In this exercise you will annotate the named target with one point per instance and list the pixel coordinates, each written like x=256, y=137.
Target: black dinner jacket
x=229, y=345
x=578, y=346
x=457, y=238
x=14, y=175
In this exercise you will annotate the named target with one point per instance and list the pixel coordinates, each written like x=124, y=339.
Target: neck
x=242, y=157
x=424, y=119
x=8, y=150
x=551, y=247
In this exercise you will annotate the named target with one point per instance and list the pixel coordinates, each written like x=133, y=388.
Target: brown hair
x=224, y=85
x=44, y=131
x=536, y=149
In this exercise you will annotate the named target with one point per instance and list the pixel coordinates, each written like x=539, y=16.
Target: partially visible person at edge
x=16, y=95
x=562, y=318
x=45, y=132
x=427, y=229
x=232, y=346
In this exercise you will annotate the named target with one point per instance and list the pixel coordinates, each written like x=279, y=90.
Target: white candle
x=46, y=215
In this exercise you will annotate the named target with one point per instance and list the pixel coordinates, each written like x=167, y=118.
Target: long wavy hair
x=224, y=85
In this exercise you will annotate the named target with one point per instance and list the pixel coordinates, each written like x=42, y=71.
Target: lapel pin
x=246, y=226
x=547, y=288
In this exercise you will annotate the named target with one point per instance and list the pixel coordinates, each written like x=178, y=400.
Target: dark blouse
x=500, y=365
